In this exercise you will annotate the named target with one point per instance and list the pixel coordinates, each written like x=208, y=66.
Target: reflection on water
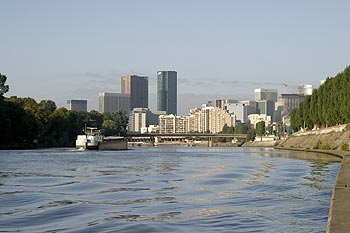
x=173, y=189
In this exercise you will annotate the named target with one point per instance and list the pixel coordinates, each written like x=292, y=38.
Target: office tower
x=266, y=107
x=220, y=103
x=167, y=91
x=78, y=105
x=279, y=110
x=137, y=88
x=113, y=102
x=239, y=110
x=291, y=101
x=266, y=94
x=305, y=89
x=251, y=106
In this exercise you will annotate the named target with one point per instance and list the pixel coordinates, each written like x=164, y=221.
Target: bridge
x=154, y=138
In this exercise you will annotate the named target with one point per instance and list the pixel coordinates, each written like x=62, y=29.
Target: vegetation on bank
x=26, y=123
x=327, y=106
x=239, y=129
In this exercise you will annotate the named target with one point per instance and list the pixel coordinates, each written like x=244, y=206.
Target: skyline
x=223, y=49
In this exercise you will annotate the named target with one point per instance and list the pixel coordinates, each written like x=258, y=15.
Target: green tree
x=260, y=128
x=251, y=134
x=327, y=106
x=120, y=119
x=3, y=87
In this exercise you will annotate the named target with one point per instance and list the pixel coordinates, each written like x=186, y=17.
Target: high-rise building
x=239, y=110
x=305, y=89
x=209, y=119
x=167, y=91
x=251, y=106
x=266, y=107
x=220, y=103
x=113, y=102
x=265, y=94
x=172, y=124
x=291, y=101
x=78, y=105
x=137, y=88
x=278, y=110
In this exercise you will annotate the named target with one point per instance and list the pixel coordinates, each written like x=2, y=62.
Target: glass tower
x=137, y=87
x=167, y=91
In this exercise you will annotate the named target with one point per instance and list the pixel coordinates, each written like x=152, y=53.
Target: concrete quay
x=339, y=211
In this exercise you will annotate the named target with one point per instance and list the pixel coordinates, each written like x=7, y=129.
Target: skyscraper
x=113, y=102
x=266, y=107
x=137, y=88
x=265, y=94
x=167, y=91
x=78, y=105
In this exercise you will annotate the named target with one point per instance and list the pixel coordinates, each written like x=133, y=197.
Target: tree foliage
x=327, y=106
x=260, y=128
x=3, y=87
x=26, y=123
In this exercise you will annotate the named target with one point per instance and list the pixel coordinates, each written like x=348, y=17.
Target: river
x=165, y=189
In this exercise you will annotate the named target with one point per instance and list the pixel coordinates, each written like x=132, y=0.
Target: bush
x=322, y=146
x=344, y=146
x=347, y=127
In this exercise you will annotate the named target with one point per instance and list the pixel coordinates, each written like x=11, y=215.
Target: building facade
x=251, y=106
x=77, y=105
x=167, y=91
x=266, y=107
x=305, y=89
x=220, y=103
x=140, y=118
x=265, y=94
x=113, y=102
x=256, y=118
x=137, y=88
x=239, y=110
x=172, y=124
x=209, y=119
x=291, y=101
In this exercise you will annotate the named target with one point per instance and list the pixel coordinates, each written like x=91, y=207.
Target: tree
x=3, y=87
x=260, y=128
x=327, y=106
x=251, y=134
x=120, y=119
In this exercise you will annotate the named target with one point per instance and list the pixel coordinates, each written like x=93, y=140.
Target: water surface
x=175, y=189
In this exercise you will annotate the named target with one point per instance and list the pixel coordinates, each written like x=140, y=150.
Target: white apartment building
x=172, y=124
x=256, y=118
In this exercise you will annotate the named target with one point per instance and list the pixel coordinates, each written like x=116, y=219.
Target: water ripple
x=164, y=190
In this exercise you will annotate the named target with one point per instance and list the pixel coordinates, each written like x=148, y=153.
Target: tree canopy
x=26, y=123
x=328, y=105
x=3, y=87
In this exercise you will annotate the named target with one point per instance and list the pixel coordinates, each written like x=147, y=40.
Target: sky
x=64, y=49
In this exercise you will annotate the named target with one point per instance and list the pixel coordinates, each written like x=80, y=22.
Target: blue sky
x=64, y=49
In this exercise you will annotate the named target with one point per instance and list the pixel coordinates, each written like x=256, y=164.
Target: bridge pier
x=210, y=142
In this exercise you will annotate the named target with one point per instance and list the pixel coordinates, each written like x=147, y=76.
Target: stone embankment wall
x=327, y=140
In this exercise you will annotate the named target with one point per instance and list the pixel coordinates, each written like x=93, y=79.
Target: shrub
x=347, y=127
x=322, y=146
x=344, y=146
